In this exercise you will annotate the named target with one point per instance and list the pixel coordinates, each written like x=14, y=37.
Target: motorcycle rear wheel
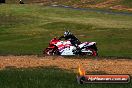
x=47, y=51
x=51, y=51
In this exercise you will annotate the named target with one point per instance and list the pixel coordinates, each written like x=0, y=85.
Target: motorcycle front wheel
x=92, y=53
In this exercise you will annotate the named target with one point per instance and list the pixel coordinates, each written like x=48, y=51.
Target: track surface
x=97, y=10
x=97, y=66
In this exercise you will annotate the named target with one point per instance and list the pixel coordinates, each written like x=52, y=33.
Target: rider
x=69, y=36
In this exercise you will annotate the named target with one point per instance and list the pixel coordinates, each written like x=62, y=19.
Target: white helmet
x=66, y=33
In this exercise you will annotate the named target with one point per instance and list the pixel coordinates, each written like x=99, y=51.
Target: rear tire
x=51, y=51
x=48, y=51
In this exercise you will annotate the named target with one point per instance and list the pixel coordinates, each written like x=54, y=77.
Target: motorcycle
x=58, y=47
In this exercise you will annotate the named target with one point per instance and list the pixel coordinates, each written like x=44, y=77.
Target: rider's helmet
x=67, y=33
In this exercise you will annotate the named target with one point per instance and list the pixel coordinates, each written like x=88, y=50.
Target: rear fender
x=91, y=43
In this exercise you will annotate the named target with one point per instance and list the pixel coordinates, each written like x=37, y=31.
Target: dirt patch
x=108, y=66
x=120, y=7
x=106, y=3
x=111, y=4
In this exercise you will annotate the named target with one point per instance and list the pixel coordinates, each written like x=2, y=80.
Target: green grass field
x=46, y=78
x=27, y=29
x=127, y=3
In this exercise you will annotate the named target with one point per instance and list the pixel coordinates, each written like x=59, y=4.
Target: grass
x=48, y=77
x=27, y=29
x=127, y=3
x=79, y=2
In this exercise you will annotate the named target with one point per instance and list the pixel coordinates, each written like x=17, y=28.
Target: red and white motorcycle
x=58, y=47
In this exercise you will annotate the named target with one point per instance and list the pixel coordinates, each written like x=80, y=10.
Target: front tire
x=94, y=50
x=92, y=53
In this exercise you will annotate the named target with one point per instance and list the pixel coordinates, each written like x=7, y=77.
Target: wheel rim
x=93, y=53
x=48, y=51
x=51, y=52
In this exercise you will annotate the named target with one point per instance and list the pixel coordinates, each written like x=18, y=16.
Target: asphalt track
x=94, y=10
